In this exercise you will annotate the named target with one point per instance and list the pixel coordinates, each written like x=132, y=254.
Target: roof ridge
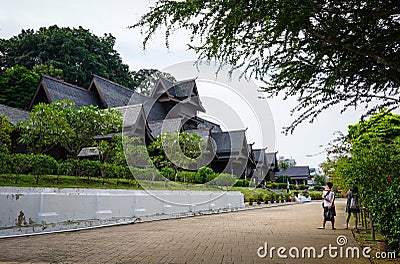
x=64, y=82
x=13, y=108
x=105, y=79
x=230, y=131
x=127, y=106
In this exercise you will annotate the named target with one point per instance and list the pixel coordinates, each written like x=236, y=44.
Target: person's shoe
x=333, y=228
x=321, y=227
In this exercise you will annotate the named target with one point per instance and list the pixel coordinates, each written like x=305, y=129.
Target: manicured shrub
x=204, y=174
x=168, y=173
x=242, y=183
x=187, y=176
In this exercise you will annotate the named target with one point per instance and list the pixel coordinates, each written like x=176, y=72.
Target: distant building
x=301, y=174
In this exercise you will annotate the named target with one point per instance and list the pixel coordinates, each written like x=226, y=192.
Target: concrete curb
x=91, y=224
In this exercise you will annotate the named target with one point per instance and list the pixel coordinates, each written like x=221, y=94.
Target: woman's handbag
x=329, y=214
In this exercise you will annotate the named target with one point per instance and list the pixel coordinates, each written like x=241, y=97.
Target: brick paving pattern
x=219, y=238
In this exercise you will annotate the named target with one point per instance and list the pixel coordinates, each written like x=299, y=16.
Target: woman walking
x=352, y=206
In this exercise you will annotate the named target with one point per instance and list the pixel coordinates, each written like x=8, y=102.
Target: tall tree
x=76, y=51
x=145, y=79
x=17, y=86
x=324, y=52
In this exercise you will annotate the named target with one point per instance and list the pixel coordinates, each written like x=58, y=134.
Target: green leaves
x=323, y=52
x=5, y=134
x=17, y=86
x=176, y=150
x=77, y=52
x=61, y=123
x=373, y=164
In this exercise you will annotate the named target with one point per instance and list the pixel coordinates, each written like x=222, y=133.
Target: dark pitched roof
x=15, y=115
x=231, y=141
x=153, y=109
x=165, y=126
x=259, y=155
x=271, y=159
x=130, y=114
x=295, y=172
x=202, y=123
x=111, y=93
x=56, y=90
x=184, y=89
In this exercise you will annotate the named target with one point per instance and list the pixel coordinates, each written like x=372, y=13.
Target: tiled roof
x=165, y=126
x=295, y=172
x=58, y=90
x=183, y=89
x=15, y=115
x=154, y=110
x=232, y=141
x=215, y=128
x=114, y=95
x=130, y=114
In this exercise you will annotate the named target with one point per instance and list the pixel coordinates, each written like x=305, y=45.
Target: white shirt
x=330, y=197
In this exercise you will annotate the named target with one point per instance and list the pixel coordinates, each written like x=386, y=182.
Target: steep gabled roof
x=51, y=90
x=15, y=115
x=162, y=85
x=231, y=141
x=153, y=109
x=259, y=156
x=134, y=121
x=183, y=91
x=272, y=160
x=111, y=94
x=130, y=114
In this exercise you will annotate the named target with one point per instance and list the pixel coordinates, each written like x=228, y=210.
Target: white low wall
x=32, y=206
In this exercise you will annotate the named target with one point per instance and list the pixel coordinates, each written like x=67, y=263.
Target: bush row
x=41, y=164
x=282, y=185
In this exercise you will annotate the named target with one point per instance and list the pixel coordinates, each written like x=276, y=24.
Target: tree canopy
x=177, y=150
x=5, y=134
x=76, y=51
x=17, y=86
x=323, y=52
x=63, y=124
x=369, y=158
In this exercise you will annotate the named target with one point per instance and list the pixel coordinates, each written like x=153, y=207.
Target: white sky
x=104, y=16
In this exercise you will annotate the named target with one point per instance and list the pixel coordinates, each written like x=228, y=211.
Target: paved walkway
x=222, y=238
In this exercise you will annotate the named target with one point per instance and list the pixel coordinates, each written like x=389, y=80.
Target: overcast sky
x=104, y=16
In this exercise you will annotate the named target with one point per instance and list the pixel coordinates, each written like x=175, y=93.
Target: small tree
x=42, y=165
x=224, y=181
x=5, y=134
x=44, y=127
x=177, y=151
